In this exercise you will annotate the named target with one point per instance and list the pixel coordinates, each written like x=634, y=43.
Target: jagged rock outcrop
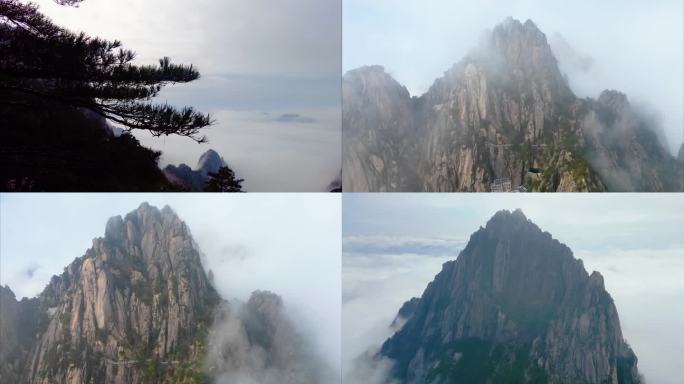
x=514, y=307
x=195, y=180
x=504, y=112
x=9, y=323
x=139, y=308
x=257, y=342
x=135, y=308
x=377, y=120
x=210, y=161
x=623, y=149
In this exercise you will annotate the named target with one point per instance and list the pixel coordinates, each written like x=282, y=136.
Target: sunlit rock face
x=503, y=112
x=515, y=306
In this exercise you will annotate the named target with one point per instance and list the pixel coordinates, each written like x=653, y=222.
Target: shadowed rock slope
x=514, y=307
x=503, y=112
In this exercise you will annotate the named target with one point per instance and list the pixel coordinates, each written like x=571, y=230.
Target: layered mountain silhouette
x=195, y=179
x=514, y=307
x=138, y=307
x=503, y=117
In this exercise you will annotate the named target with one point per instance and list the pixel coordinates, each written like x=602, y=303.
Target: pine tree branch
x=42, y=60
x=159, y=120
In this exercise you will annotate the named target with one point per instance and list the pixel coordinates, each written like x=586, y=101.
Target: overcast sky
x=286, y=243
x=394, y=244
x=634, y=46
x=258, y=59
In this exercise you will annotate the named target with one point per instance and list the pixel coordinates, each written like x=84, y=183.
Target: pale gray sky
x=636, y=241
x=256, y=57
x=634, y=46
x=285, y=243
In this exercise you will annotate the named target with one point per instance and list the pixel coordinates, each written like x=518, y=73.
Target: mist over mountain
x=139, y=307
x=502, y=118
x=257, y=342
x=515, y=306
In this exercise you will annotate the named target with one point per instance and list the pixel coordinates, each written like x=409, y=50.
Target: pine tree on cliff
x=223, y=181
x=41, y=62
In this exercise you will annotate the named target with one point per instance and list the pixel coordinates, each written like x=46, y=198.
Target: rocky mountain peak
x=523, y=51
x=374, y=80
x=372, y=98
x=144, y=219
x=596, y=278
x=510, y=218
x=614, y=100
x=139, y=308
x=195, y=180
x=114, y=227
x=512, y=32
x=210, y=161
x=6, y=290
x=502, y=118
x=260, y=344
x=265, y=302
x=138, y=295
x=515, y=306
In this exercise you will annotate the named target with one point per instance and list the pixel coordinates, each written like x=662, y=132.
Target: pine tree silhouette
x=223, y=181
x=40, y=61
x=59, y=91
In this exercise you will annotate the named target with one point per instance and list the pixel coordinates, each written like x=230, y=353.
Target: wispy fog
x=254, y=57
x=235, y=356
x=374, y=286
x=288, y=244
x=634, y=240
x=633, y=46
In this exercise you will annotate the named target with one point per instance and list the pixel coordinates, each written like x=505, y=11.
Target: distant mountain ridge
x=504, y=112
x=195, y=180
x=514, y=307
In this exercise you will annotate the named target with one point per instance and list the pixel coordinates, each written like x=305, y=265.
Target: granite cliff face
x=514, y=307
x=139, y=308
x=135, y=308
x=505, y=112
x=195, y=180
x=378, y=132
